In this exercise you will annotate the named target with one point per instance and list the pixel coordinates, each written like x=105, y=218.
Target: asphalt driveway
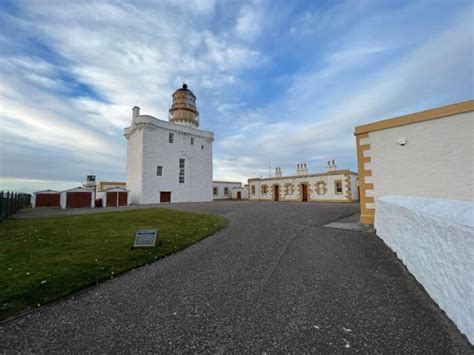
x=274, y=281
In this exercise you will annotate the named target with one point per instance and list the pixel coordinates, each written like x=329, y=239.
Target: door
x=78, y=199
x=165, y=196
x=239, y=195
x=276, y=192
x=122, y=198
x=111, y=199
x=304, y=192
x=47, y=200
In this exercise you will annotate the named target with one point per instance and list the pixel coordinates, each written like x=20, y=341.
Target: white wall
x=244, y=193
x=135, y=166
x=437, y=161
x=157, y=151
x=221, y=185
x=434, y=238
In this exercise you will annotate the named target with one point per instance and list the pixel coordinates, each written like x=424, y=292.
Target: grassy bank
x=44, y=259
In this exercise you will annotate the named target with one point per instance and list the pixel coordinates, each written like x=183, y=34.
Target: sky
x=278, y=82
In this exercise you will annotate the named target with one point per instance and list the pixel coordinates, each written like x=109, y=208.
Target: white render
x=434, y=238
x=437, y=159
x=290, y=187
x=220, y=186
x=148, y=147
x=63, y=198
x=244, y=193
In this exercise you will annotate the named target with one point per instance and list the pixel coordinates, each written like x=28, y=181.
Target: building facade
x=427, y=154
x=332, y=186
x=169, y=161
x=222, y=190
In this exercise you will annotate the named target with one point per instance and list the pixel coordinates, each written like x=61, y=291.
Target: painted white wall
x=244, y=193
x=152, y=147
x=437, y=160
x=221, y=185
x=312, y=181
x=434, y=238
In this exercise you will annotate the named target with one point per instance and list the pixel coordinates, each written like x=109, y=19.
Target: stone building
x=332, y=186
x=222, y=190
x=169, y=161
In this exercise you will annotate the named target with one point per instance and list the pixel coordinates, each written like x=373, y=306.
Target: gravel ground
x=274, y=281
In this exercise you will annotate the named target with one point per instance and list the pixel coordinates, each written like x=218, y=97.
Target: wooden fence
x=10, y=202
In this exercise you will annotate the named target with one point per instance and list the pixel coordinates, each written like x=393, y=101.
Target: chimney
x=136, y=112
x=304, y=170
x=333, y=166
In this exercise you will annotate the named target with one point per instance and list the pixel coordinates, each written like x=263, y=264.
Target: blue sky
x=278, y=81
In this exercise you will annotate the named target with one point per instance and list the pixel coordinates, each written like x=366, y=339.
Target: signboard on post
x=145, y=239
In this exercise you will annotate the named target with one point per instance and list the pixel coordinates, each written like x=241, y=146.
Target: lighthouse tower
x=183, y=111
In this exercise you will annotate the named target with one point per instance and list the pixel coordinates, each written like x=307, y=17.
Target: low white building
x=169, y=161
x=426, y=154
x=78, y=197
x=222, y=190
x=332, y=186
x=240, y=193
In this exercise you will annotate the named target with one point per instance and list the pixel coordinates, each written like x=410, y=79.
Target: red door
x=47, y=200
x=304, y=192
x=165, y=196
x=78, y=199
x=122, y=198
x=111, y=199
x=276, y=192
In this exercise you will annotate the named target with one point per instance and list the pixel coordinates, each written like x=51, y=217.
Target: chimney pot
x=136, y=111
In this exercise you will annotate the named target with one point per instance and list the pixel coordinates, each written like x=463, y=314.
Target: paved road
x=274, y=281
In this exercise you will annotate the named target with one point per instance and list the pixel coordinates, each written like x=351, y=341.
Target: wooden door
x=165, y=197
x=111, y=199
x=239, y=195
x=276, y=192
x=47, y=200
x=122, y=198
x=78, y=199
x=304, y=192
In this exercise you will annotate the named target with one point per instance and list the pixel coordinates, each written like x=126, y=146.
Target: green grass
x=44, y=259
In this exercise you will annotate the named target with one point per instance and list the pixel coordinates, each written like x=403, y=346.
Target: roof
x=47, y=192
x=112, y=189
x=227, y=182
x=79, y=188
x=439, y=112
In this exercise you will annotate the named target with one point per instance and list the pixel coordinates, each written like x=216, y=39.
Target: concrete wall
x=290, y=187
x=221, y=185
x=436, y=161
x=434, y=239
x=153, y=148
x=244, y=193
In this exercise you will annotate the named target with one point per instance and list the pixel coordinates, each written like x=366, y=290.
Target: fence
x=10, y=202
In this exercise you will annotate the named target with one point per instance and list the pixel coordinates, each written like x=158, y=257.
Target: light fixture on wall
x=402, y=141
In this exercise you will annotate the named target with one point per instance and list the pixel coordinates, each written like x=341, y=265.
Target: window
x=226, y=190
x=215, y=191
x=181, y=171
x=171, y=138
x=202, y=147
x=192, y=140
x=289, y=189
x=321, y=187
x=338, y=185
x=159, y=170
x=253, y=189
x=264, y=189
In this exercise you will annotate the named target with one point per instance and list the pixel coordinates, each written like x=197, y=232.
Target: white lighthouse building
x=169, y=161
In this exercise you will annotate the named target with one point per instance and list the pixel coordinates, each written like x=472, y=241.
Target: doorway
x=165, y=196
x=304, y=192
x=239, y=195
x=276, y=192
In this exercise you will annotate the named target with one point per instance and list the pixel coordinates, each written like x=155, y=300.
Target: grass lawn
x=44, y=259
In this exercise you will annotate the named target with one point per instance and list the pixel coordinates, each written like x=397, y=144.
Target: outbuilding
x=78, y=197
x=114, y=197
x=46, y=198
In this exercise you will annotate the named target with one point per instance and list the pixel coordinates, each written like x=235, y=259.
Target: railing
x=10, y=202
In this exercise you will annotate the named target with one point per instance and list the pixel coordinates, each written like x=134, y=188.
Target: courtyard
x=274, y=280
